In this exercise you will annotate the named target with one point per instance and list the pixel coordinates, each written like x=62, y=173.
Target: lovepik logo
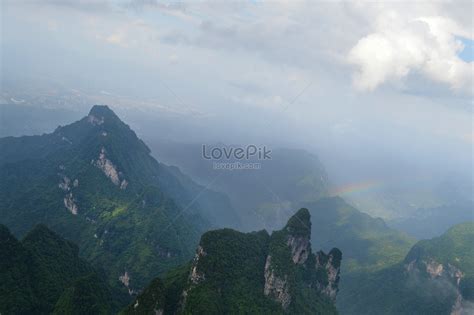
x=236, y=152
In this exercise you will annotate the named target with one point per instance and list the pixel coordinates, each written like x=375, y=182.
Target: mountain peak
x=100, y=114
x=300, y=223
x=101, y=110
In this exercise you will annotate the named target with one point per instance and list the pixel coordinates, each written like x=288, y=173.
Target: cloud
x=398, y=47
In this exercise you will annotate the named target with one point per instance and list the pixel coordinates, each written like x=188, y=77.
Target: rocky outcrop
x=225, y=275
x=196, y=276
x=300, y=248
x=70, y=204
x=330, y=264
x=68, y=200
x=323, y=274
x=110, y=170
x=276, y=287
x=94, y=120
x=65, y=183
x=436, y=270
x=125, y=279
x=446, y=275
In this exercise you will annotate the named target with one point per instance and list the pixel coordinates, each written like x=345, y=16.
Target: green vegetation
x=232, y=267
x=454, y=247
x=87, y=295
x=150, y=301
x=139, y=228
x=227, y=276
x=367, y=243
x=35, y=272
x=403, y=289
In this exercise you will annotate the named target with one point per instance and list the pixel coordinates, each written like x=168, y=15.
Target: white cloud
x=399, y=46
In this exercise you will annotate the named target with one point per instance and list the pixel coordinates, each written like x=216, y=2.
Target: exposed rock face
x=225, y=276
x=123, y=184
x=65, y=183
x=331, y=263
x=195, y=277
x=70, y=204
x=69, y=201
x=276, y=287
x=300, y=248
x=447, y=275
x=96, y=121
x=435, y=270
x=125, y=279
x=107, y=167
x=110, y=170
x=296, y=236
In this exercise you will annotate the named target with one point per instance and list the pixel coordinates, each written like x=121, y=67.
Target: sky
x=371, y=87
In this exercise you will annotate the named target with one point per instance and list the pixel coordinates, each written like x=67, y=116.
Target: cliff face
x=291, y=265
x=276, y=287
x=234, y=272
x=434, y=275
x=331, y=265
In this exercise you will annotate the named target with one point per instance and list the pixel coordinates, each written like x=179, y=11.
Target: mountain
x=94, y=182
x=271, y=192
x=426, y=223
x=35, y=271
x=249, y=273
x=367, y=242
x=436, y=277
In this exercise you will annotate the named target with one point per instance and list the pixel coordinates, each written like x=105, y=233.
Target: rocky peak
x=299, y=234
x=299, y=224
x=225, y=274
x=331, y=265
x=100, y=113
x=195, y=277
x=276, y=287
x=300, y=248
x=278, y=271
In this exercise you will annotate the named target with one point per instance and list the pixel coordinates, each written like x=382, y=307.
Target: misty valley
x=261, y=157
x=92, y=222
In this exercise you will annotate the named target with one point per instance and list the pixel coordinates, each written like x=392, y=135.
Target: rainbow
x=355, y=188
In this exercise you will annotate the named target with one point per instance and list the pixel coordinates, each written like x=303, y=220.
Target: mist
x=280, y=74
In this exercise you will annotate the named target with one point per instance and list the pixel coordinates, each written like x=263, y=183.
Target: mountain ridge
x=234, y=272
x=95, y=183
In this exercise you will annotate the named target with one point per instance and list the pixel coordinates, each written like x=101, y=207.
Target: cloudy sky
x=348, y=80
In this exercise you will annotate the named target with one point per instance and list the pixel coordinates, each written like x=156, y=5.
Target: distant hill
x=436, y=277
x=431, y=222
x=265, y=197
x=367, y=242
x=20, y=120
x=253, y=273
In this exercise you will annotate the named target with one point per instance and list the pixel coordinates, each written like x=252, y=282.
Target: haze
x=381, y=93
